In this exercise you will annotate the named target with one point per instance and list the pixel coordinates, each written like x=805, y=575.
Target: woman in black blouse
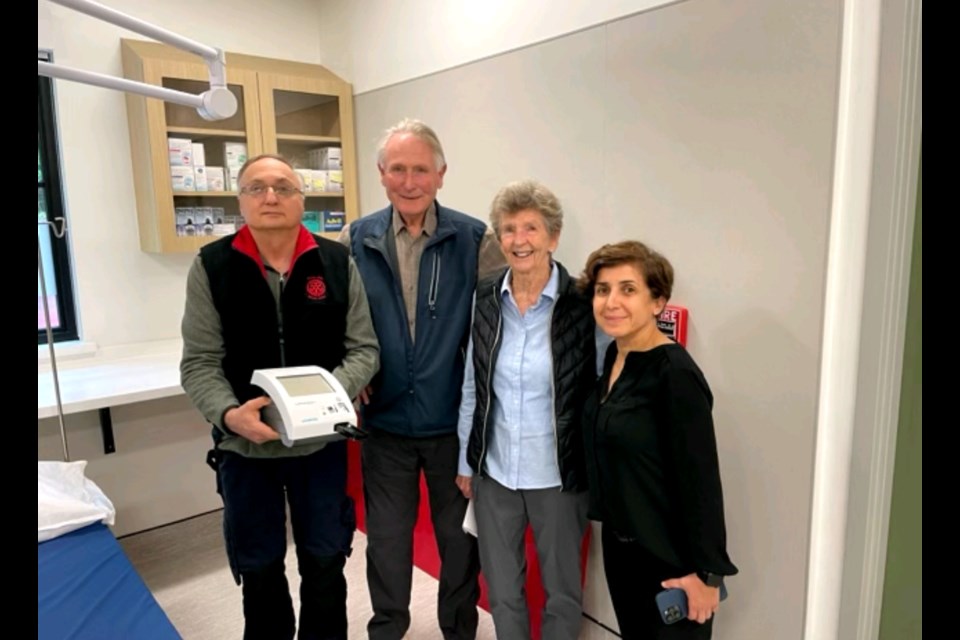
x=651, y=453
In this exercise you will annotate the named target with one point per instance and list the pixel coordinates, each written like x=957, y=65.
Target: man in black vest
x=274, y=295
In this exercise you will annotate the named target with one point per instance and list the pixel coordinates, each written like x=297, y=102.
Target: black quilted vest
x=573, y=345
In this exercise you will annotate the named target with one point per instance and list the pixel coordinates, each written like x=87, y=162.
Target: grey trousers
x=559, y=520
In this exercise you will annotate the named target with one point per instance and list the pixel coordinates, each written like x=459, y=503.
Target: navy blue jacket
x=417, y=391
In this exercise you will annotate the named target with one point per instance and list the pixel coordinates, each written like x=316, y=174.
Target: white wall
x=125, y=295
x=375, y=43
x=157, y=474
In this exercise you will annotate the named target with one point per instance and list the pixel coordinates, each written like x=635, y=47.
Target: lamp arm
x=217, y=103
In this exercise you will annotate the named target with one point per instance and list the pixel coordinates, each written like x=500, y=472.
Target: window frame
x=52, y=187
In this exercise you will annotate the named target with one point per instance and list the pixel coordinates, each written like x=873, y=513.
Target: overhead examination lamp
x=217, y=103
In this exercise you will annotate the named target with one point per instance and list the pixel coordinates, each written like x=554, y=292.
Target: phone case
x=672, y=604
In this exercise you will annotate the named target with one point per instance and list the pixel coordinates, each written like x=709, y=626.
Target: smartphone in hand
x=672, y=604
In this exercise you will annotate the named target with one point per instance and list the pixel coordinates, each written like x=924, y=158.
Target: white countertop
x=135, y=375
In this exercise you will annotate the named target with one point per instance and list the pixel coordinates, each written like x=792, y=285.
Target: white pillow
x=67, y=500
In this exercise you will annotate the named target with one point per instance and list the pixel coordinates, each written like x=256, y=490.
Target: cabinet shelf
x=233, y=194
x=205, y=132
x=305, y=139
x=204, y=194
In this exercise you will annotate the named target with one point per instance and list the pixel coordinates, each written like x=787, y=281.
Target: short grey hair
x=527, y=194
x=268, y=156
x=420, y=130
x=271, y=156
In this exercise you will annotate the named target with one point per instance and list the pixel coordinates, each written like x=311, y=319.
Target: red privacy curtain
x=426, y=556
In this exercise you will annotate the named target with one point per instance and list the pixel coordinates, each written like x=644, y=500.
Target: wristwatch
x=710, y=579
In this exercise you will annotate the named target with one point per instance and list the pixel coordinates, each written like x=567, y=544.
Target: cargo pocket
x=213, y=461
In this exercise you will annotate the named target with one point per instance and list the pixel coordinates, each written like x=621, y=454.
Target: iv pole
x=217, y=103
x=58, y=228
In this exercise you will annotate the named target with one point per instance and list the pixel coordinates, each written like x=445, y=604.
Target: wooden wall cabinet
x=283, y=107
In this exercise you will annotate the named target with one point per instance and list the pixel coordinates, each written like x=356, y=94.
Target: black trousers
x=391, y=485
x=256, y=492
x=634, y=577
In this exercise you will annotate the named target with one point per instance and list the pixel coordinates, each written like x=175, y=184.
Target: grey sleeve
x=490, y=258
x=344, y=237
x=201, y=366
x=362, y=359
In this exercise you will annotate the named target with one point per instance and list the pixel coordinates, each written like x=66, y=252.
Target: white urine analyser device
x=307, y=405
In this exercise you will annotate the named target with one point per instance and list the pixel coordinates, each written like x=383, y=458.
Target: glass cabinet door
x=310, y=122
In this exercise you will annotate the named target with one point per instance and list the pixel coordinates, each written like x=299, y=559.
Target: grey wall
x=704, y=128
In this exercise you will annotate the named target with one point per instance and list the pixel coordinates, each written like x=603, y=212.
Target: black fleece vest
x=306, y=328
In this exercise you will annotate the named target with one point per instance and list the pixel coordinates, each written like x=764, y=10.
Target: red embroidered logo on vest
x=316, y=288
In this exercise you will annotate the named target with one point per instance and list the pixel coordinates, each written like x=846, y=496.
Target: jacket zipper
x=486, y=412
x=434, y=286
x=280, y=332
x=283, y=348
x=553, y=398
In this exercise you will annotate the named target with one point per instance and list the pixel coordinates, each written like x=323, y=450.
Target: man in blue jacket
x=419, y=262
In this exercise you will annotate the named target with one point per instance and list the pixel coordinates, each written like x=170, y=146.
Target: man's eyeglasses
x=260, y=191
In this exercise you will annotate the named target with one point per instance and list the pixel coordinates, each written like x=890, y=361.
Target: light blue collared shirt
x=522, y=453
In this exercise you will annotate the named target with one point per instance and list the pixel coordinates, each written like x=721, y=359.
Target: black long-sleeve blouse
x=652, y=459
